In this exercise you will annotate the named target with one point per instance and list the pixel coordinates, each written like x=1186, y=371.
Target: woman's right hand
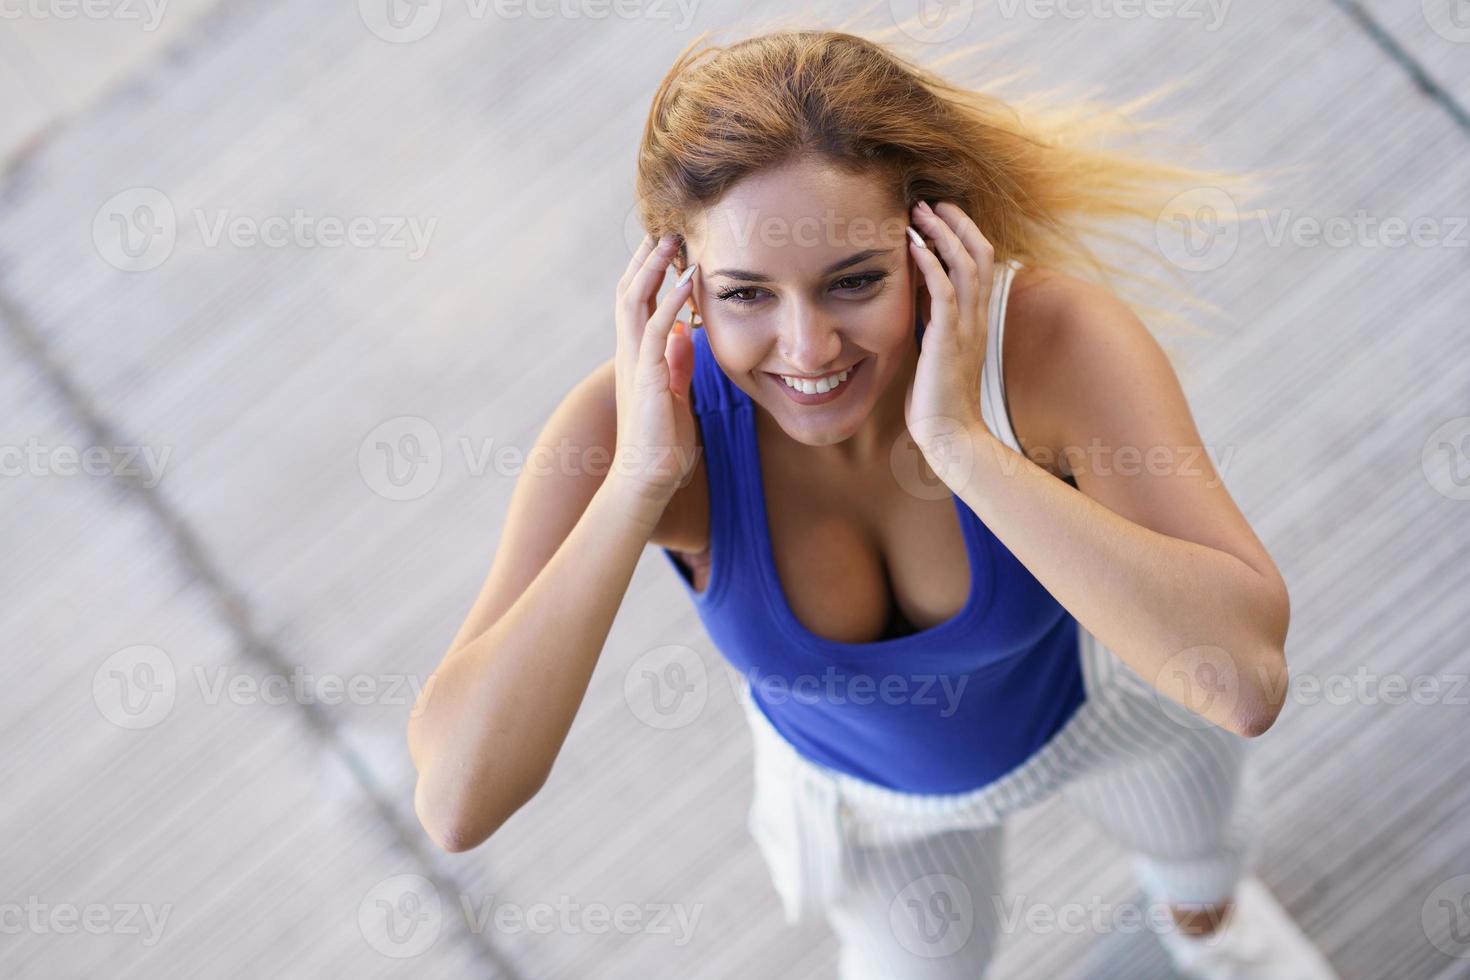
x=654, y=364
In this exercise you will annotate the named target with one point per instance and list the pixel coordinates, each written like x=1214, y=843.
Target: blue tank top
x=941, y=710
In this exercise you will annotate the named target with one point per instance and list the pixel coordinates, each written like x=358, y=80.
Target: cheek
x=738, y=352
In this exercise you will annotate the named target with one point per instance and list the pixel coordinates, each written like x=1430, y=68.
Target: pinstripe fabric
x=910, y=882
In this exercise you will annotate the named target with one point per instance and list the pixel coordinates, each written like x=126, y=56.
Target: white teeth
x=818, y=387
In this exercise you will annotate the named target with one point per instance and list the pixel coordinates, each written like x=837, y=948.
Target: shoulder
x=1072, y=347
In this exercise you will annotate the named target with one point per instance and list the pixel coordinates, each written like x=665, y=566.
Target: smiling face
x=805, y=271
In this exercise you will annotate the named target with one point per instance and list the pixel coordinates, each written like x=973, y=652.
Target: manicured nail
x=685, y=276
x=915, y=236
x=926, y=207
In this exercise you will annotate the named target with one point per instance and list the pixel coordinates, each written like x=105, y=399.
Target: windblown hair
x=1036, y=179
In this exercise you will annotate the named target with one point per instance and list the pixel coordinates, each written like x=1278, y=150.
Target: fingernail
x=925, y=205
x=915, y=236
x=684, y=277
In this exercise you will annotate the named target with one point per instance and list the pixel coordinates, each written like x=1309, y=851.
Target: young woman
x=939, y=502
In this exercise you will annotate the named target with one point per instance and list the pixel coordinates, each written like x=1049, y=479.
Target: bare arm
x=490, y=722
x=494, y=716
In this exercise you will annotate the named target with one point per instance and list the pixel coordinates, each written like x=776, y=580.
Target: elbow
x=1259, y=710
x=450, y=832
x=457, y=826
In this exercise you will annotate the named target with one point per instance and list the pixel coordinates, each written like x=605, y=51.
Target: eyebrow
x=838, y=266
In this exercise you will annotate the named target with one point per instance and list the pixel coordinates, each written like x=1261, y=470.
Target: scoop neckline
x=977, y=553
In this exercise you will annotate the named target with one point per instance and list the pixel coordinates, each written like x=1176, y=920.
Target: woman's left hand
x=942, y=406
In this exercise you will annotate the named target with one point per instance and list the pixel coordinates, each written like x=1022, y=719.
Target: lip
x=855, y=371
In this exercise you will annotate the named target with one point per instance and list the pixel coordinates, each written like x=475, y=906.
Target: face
x=805, y=271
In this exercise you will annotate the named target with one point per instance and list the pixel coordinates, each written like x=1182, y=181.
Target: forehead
x=800, y=215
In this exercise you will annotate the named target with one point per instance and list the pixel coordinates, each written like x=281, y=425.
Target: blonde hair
x=1035, y=177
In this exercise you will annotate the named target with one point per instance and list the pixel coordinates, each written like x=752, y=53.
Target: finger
x=655, y=341
x=639, y=254
x=976, y=244
x=638, y=301
x=936, y=283
x=963, y=272
x=680, y=356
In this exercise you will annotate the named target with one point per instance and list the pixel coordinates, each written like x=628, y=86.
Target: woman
x=891, y=467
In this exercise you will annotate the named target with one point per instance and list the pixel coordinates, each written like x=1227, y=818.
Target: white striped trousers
x=911, y=883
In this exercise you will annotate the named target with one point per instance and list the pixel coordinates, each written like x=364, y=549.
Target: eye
x=732, y=295
x=848, y=284
x=862, y=281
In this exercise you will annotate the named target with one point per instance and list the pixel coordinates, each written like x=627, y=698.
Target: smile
x=816, y=391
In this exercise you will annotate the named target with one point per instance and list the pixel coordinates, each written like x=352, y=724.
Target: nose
x=809, y=342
